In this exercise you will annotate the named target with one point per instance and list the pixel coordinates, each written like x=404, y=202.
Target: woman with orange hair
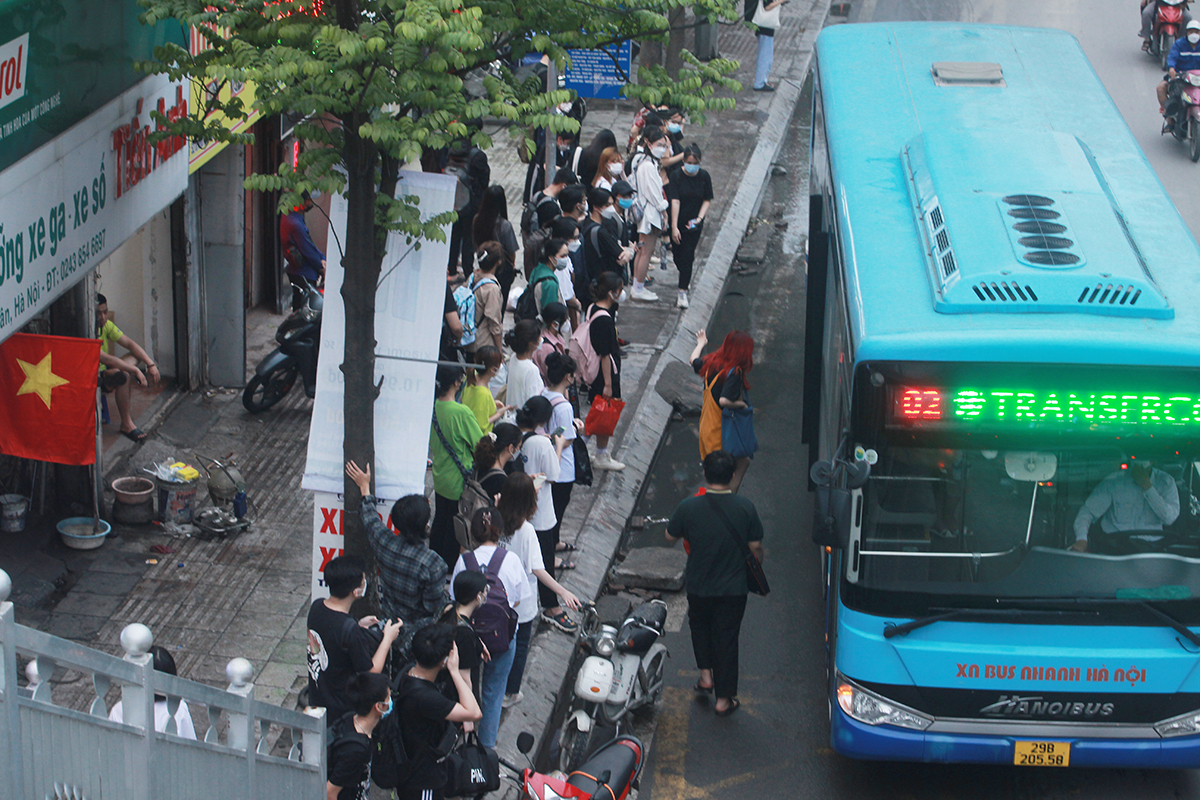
x=724, y=372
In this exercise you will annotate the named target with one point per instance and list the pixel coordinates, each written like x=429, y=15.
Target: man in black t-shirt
x=349, y=756
x=716, y=575
x=338, y=645
x=452, y=328
x=426, y=715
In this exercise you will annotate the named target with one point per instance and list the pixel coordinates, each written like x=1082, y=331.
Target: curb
x=547, y=677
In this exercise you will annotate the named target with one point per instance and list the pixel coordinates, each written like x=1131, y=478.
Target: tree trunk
x=675, y=44
x=361, y=266
x=651, y=54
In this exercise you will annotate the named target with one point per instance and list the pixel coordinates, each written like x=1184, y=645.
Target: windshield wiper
x=1180, y=628
x=891, y=630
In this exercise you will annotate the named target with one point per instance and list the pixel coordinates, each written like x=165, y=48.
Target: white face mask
x=658, y=152
x=563, y=263
x=574, y=245
x=564, y=108
x=616, y=168
x=621, y=297
x=610, y=212
x=1194, y=38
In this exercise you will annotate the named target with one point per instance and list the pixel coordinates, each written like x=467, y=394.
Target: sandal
x=565, y=565
x=1145, y=45
x=702, y=692
x=135, y=435
x=565, y=547
x=733, y=706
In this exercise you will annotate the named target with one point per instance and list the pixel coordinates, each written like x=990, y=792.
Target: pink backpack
x=580, y=348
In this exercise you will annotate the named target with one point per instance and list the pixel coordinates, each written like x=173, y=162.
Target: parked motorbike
x=1183, y=111
x=623, y=672
x=299, y=339
x=609, y=774
x=1168, y=26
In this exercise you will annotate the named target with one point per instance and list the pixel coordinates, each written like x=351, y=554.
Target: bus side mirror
x=831, y=517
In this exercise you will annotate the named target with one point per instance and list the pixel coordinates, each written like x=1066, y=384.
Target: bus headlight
x=870, y=708
x=1183, y=725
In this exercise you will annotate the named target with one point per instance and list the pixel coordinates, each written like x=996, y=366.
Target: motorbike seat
x=620, y=757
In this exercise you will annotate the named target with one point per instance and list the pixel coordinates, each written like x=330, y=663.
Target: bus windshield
x=1005, y=523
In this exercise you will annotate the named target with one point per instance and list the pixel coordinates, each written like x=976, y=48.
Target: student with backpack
x=496, y=620
x=470, y=592
x=554, y=322
x=452, y=438
x=338, y=645
x=348, y=756
x=427, y=717
x=518, y=506
x=543, y=206
x=480, y=302
x=597, y=351
x=491, y=225
x=543, y=287
x=492, y=456
x=602, y=250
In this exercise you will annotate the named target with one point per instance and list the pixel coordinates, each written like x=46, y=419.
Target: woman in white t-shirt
x=163, y=662
x=524, y=380
x=518, y=504
x=560, y=375
x=486, y=529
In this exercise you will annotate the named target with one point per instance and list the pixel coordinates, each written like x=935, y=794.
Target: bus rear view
x=1004, y=426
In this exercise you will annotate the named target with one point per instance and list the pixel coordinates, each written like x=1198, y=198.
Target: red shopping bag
x=603, y=415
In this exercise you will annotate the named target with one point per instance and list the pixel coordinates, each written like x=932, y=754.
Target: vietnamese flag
x=48, y=398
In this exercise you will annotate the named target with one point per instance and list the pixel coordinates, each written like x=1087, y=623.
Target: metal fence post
x=242, y=726
x=11, y=736
x=137, y=702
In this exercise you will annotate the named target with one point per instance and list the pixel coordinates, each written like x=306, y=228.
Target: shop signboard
x=201, y=150
x=62, y=61
x=68, y=205
x=601, y=72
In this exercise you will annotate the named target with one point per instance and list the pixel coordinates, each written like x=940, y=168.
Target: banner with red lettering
x=329, y=527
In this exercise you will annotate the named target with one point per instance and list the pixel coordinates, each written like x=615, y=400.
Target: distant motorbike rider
x=1149, y=9
x=1184, y=56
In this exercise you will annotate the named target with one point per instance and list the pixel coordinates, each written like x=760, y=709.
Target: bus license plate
x=1042, y=754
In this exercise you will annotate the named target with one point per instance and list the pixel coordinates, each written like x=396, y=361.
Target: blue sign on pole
x=593, y=73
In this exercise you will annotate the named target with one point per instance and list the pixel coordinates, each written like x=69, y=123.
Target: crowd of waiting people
x=507, y=425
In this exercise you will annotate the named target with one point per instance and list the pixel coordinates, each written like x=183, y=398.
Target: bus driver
x=1140, y=498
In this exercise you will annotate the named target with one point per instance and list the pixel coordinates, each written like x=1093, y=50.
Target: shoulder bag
x=472, y=768
x=756, y=579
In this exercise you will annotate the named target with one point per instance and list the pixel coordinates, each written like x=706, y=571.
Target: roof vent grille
x=967, y=73
x=1108, y=294
x=939, y=243
x=1037, y=240
x=1005, y=292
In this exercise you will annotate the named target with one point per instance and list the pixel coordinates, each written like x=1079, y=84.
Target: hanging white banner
x=409, y=307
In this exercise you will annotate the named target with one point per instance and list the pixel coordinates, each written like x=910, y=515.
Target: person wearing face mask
x=567, y=227
x=493, y=455
x=602, y=332
x=350, y=746
x=1184, y=56
x=674, y=129
x=567, y=155
x=620, y=221
x=554, y=336
x=610, y=169
x=602, y=250
x=690, y=192
x=338, y=645
x=543, y=281
x=652, y=205
x=589, y=157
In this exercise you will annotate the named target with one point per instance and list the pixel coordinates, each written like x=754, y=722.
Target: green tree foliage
x=381, y=82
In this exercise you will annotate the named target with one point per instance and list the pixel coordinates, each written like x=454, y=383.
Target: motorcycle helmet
x=1193, y=31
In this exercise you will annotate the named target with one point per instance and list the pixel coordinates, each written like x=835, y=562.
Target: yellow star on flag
x=39, y=379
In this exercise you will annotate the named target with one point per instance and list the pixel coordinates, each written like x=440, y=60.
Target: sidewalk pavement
x=209, y=601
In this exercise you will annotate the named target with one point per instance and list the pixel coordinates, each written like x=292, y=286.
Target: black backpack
x=527, y=307
x=389, y=760
x=518, y=461
x=529, y=216
x=495, y=622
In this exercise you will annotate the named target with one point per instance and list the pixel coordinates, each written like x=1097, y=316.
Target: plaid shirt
x=413, y=577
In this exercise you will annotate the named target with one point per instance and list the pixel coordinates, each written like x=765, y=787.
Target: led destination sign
x=1024, y=408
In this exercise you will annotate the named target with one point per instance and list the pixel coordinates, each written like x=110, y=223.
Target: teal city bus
x=1002, y=407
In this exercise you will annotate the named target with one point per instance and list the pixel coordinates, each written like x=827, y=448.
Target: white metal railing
x=49, y=751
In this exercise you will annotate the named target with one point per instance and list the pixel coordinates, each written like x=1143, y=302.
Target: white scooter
x=623, y=672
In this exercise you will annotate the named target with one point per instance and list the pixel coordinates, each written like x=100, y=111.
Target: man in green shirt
x=109, y=334
x=716, y=575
